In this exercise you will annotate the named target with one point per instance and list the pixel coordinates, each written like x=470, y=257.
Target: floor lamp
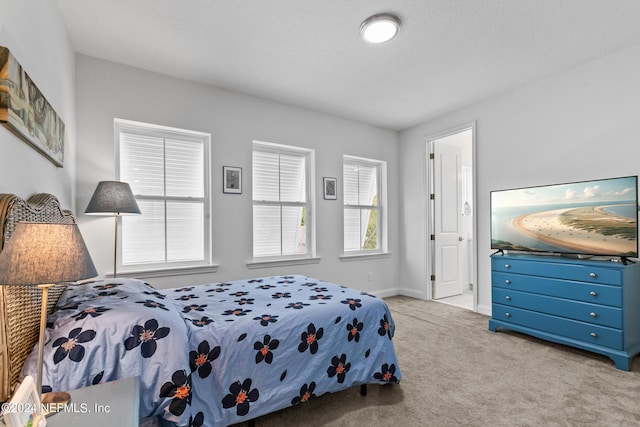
x=113, y=198
x=42, y=254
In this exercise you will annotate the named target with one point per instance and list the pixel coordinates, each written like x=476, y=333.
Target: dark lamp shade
x=112, y=198
x=41, y=253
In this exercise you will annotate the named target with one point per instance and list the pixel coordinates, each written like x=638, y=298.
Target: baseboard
x=484, y=309
x=413, y=294
x=385, y=293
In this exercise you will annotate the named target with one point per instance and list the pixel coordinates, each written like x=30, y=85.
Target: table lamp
x=113, y=198
x=42, y=254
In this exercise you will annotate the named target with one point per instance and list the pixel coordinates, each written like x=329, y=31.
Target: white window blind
x=362, y=185
x=281, y=203
x=168, y=174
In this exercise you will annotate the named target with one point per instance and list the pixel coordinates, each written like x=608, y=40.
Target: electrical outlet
x=369, y=277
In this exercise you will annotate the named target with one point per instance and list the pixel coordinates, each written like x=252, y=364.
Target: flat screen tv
x=598, y=217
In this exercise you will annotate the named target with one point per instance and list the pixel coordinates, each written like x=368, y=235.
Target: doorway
x=450, y=163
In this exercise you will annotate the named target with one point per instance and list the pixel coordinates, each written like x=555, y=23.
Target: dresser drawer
x=591, y=273
x=574, y=329
x=585, y=312
x=587, y=292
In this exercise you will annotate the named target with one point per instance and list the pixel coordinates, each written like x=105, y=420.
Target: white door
x=447, y=231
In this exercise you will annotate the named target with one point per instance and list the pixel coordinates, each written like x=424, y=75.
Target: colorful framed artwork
x=25, y=111
x=330, y=186
x=232, y=180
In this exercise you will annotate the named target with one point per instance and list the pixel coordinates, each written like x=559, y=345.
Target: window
x=282, y=201
x=168, y=172
x=364, y=183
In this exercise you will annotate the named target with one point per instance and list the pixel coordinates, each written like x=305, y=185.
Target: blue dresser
x=592, y=305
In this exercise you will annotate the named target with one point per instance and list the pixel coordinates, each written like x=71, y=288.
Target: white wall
x=34, y=32
x=578, y=125
x=107, y=90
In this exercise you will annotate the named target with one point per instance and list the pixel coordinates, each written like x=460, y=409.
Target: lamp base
x=55, y=402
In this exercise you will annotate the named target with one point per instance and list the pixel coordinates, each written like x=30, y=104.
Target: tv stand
x=588, y=304
x=625, y=260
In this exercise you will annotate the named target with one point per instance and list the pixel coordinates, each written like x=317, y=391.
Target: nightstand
x=114, y=403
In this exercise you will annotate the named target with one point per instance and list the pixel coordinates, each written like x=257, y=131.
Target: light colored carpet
x=456, y=372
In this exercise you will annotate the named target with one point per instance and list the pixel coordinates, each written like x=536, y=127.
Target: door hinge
x=433, y=277
x=433, y=237
x=432, y=196
x=432, y=156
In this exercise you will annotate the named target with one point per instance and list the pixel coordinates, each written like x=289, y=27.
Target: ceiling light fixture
x=380, y=28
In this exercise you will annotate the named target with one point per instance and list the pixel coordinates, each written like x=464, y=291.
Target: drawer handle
x=508, y=298
x=593, y=294
x=593, y=334
x=508, y=282
x=507, y=266
x=592, y=275
x=592, y=314
x=507, y=314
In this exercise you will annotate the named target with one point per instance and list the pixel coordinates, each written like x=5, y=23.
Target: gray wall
x=107, y=90
x=40, y=44
x=578, y=125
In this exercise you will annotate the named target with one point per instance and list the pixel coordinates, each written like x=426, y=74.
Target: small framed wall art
x=330, y=186
x=231, y=180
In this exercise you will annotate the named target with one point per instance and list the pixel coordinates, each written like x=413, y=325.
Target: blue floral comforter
x=220, y=353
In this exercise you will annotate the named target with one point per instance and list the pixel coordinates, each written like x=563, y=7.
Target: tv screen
x=597, y=217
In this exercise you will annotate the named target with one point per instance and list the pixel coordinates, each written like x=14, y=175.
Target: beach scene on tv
x=592, y=217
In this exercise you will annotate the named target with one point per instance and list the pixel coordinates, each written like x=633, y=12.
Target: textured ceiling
x=449, y=53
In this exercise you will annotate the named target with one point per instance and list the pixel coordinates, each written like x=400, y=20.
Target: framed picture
x=26, y=112
x=330, y=186
x=24, y=408
x=231, y=180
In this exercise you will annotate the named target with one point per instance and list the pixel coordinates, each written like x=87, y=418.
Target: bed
x=213, y=354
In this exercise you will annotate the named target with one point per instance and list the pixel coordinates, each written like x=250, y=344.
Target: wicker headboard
x=20, y=305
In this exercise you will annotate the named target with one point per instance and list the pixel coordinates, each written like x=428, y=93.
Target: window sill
x=363, y=256
x=283, y=261
x=167, y=272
